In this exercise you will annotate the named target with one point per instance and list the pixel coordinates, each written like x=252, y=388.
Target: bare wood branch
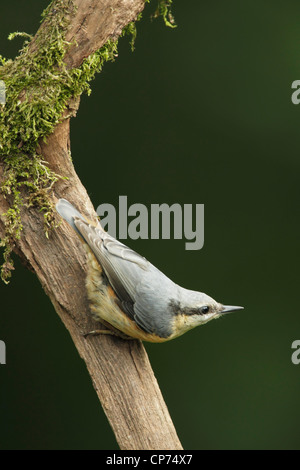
x=120, y=370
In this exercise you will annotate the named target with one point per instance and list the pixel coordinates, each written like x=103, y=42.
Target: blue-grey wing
x=140, y=287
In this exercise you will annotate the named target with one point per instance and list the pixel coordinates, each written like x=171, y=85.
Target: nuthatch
x=130, y=295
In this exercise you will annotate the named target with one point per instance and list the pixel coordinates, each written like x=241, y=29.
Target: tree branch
x=120, y=370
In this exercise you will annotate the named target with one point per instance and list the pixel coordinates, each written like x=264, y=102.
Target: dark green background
x=198, y=114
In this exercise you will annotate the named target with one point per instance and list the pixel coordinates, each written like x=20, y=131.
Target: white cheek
x=205, y=318
x=196, y=320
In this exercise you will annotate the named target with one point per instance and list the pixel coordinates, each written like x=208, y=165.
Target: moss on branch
x=38, y=89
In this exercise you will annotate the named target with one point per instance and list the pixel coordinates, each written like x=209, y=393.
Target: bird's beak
x=230, y=308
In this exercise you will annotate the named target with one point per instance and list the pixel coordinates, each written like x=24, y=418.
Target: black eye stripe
x=176, y=309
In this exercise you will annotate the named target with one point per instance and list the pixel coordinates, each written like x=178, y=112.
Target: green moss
x=164, y=10
x=38, y=90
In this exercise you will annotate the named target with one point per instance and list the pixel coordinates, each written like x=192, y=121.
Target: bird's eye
x=204, y=310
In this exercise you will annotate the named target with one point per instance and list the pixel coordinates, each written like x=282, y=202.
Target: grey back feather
x=142, y=289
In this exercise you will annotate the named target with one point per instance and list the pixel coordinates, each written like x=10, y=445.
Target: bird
x=129, y=295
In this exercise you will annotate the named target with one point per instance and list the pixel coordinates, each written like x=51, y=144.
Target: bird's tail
x=68, y=212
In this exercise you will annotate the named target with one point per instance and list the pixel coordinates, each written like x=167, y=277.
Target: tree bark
x=120, y=369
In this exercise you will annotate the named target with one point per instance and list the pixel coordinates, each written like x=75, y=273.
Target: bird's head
x=196, y=308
